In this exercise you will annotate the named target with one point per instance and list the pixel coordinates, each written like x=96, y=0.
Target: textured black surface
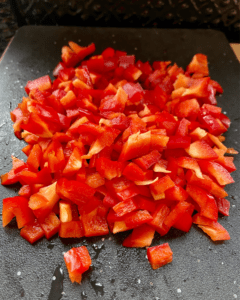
x=223, y=15
x=201, y=269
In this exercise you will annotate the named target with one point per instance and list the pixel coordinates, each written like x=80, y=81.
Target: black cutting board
x=201, y=269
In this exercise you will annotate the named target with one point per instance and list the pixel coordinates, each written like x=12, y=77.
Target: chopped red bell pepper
x=77, y=261
x=32, y=232
x=141, y=236
x=16, y=207
x=159, y=256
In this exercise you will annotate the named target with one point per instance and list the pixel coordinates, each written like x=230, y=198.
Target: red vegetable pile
x=114, y=144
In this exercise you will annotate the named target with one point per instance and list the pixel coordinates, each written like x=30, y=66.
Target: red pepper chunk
x=141, y=236
x=159, y=187
x=148, y=160
x=32, y=232
x=133, y=172
x=43, y=83
x=77, y=261
x=176, y=142
x=76, y=191
x=159, y=256
x=14, y=174
x=16, y=207
x=212, y=228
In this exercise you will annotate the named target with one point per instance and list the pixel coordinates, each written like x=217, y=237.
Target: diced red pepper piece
x=141, y=236
x=187, y=109
x=159, y=187
x=32, y=232
x=176, y=142
x=206, y=183
x=147, y=161
x=134, y=91
x=37, y=126
x=201, y=150
x=13, y=175
x=134, y=172
x=35, y=157
x=16, y=207
x=176, y=213
x=124, y=207
x=222, y=176
x=159, y=215
x=212, y=228
x=77, y=192
x=94, y=225
x=145, y=203
x=132, y=220
x=176, y=193
x=223, y=206
x=108, y=168
x=43, y=83
x=190, y=163
x=159, y=256
x=137, y=145
x=43, y=201
x=184, y=223
x=206, y=202
x=199, y=64
x=50, y=225
x=77, y=261
x=71, y=229
x=214, y=126
x=183, y=129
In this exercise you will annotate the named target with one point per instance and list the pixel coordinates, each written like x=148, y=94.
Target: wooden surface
x=236, y=49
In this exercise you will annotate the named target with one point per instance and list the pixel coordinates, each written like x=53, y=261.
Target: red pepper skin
x=77, y=261
x=207, y=203
x=72, y=229
x=43, y=201
x=183, y=129
x=159, y=215
x=76, y=191
x=94, y=225
x=212, y=228
x=82, y=52
x=159, y=256
x=201, y=150
x=198, y=64
x=134, y=172
x=137, y=145
x=32, y=232
x=35, y=158
x=43, y=83
x=223, y=206
x=147, y=161
x=50, y=225
x=184, y=223
x=206, y=183
x=177, y=212
x=145, y=203
x=159, y=187
x=110, y=201
x=141, y=236
x=37, y=126
x=108, y=168
x=214, y=169
x=16, y=206
x=213, y=125
x=124, y=207
x=13, y=175
x=176, y=142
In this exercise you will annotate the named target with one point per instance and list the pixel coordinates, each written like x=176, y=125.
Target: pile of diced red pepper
x=114, y=145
